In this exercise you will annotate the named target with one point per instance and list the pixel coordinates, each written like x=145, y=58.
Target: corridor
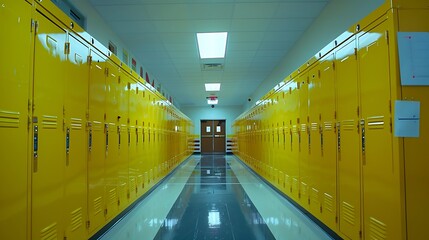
x=214, y=197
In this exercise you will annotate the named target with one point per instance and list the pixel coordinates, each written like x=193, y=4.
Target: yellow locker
x=123, y=88
x=315, y=148
x=381, y=200
x=49, y=138
x=112, y=132
x=303, y=140
x=14, y=113
x=75, y=110
x=328, y=175
x=295, y=140
x=349, y=164
x=96, y=141
x=134, y=137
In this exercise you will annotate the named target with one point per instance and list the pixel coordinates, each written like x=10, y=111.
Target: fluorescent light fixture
x=211, y=102
x=211, y=87
x=212, y=45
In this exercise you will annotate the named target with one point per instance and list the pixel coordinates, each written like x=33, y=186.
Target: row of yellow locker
x=82, y=137
x=324, y=136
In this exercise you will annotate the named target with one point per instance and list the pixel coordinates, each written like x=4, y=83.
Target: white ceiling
x=162, y=35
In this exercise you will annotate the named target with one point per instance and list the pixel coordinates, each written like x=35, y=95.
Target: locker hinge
x=391, y=125
x=360, y=234
x=129, y=86
x=335, y=115
x=390, y=106
x=89, y=58
x=356, y=53
x=358, y=111
x=105, y=211
x=336, y=219
x=318, y=74
x=67, y=48
x=106, y=71
x=33, y=24
x=88, y=224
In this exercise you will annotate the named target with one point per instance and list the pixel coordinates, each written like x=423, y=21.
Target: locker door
x=48, y=133
x=295, y=140
x=349, y=177
x=315, y=151
x=76, y=102
x=14, y=110
x=328, y=176
x=96, y=141
x=134, y=137
x=112, y=139
x=123, y=89
x=382, y=210
x=303, y=141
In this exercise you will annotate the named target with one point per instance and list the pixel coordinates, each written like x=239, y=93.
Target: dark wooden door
x=213, y=137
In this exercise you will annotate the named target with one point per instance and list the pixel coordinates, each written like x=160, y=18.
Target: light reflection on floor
x=214, y=197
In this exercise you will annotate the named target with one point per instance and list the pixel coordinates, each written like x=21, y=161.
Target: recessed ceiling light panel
x=212, y=45
x=212, y=87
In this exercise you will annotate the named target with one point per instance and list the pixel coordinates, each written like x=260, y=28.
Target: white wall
x=335, y=19
x=196, y=114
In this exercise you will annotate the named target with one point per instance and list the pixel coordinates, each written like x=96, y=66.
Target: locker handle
x=68, y=141
x=362, y=126
x=67, y=145
x=309, y=140
x=129, y=137
x=106, y=127
x=137, y=135
x=321, y=140
x=339, y=140
x=119, y=136
x=35, y=146
x=90, y=140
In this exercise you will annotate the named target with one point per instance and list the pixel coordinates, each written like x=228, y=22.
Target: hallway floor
x=214, y=197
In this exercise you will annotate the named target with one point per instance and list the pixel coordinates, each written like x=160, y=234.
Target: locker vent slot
x=281, y=177
x=315, y=201
x=122, y=191
x=97, y=126
x=112, y=196
x=287, y=179
x=97, y=205
x=76, y=124
x=314, y=127
x=303, y=128
x=377, y=229
x=294, y=129
x=132, y=184
x=348, y=213
x=76, y=219
x=348, y=125
x=9, y=119
x=146, y=178
x=50, y=232
x=140, y=180
x=376, y=122
x=50, y=122
x=328, y=126
x=329, y=202
x=294, y=184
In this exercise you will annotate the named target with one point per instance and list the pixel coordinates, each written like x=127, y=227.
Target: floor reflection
x=213, y=205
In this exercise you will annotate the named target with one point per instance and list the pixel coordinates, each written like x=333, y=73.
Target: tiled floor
x=214, y=197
